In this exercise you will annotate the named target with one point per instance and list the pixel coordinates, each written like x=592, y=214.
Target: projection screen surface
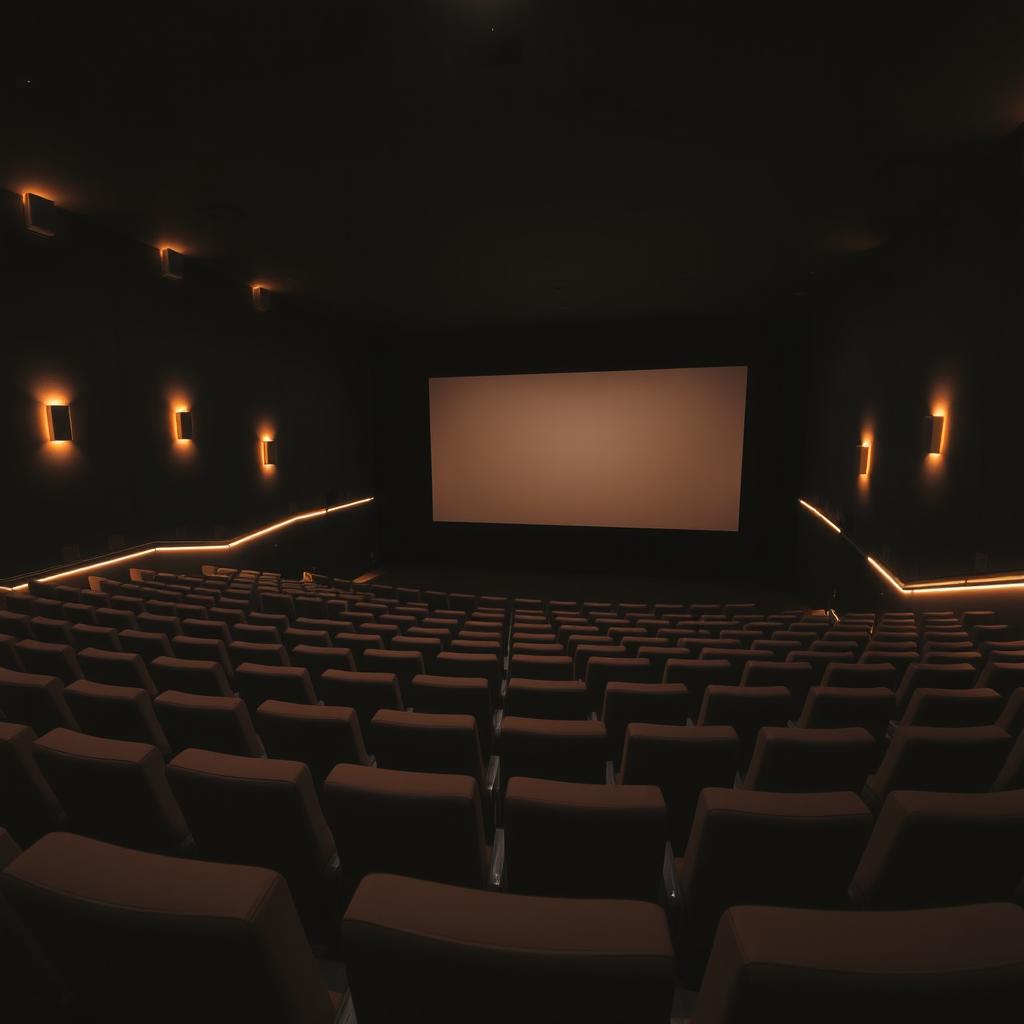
x=649, y=449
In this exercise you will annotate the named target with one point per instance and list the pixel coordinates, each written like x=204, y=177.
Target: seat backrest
x=319, y=736
x=547, y=698
x=551, y=960
x=257, y=683
x=654, y=703
x=209, y=723
x=34, y=700
x=860, y=675
x=117, y=712
x=838, y=707
x=811, y=760
x=190, y=676
x=601, y=671
x=681, y=761
x=374, y=811
x=584, y=840
x=115, y=668
x=114, y=790
x=931, y=706
x=889, y=967
x=129, y=930
x=28, y=806
x=945, y=677
x=49, y=659
x=538, y=748
x=747, y=709
x=456, y=695
x=265, y=812
x=408, y=741
x=365, y=692
x=940, y=849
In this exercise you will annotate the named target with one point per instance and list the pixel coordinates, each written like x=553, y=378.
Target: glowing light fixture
x=260, y=298
x=934, y=431
x=863, y=459
x=821, y=515
x=172, y=264
x=40, y=215
x=58, y=422
x=268, y=449
x=183, y=425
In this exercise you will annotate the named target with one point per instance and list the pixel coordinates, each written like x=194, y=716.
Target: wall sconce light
x=172, y=264
x=260, y=299
x=40, y=215
x=58, y=421
x=183, y=425
x=863, y=459
x=934, y=427
x=268, y=447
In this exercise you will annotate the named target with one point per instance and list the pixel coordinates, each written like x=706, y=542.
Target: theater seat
x=779, y=849
x=540, y=748
x=320, y=737
x=318, y=660
x=147, y=644
x=28, y=806
x=408, y=741
x=861, y=676
x=540, y=666
x=940, y=760
x=942, y=849
x=951, y=708
x=113, y=790
x=887, y=967
x=473, y=666
x=365, y=692
x=209, y=723
x=455, y=695
x=46, y=659
x=653, y=703
x=116, y=669
x=373, y=813
x=242, y=652
x=34, y=700
x=140, y=936
x=466, y=956
x=116, y=712
x=257, y=683
x=945, y=677
x=545, y=698
x=201, y=648
x=404, y=664
x=263, y=812
x=583, y=840
x=187, y=676
x=811, y=760
x=840, y=707
x=747, y=709
x=1011, y=775
x=104, y=638
x=601, y=671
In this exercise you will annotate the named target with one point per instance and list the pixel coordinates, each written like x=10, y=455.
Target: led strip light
x=238, y=542
x=1006, y=581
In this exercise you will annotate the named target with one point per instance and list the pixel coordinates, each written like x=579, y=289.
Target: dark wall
x=774, y=349
x=933, y=323
x=87, y=316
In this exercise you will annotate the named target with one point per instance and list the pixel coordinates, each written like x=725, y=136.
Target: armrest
x=592, y=717
x=609, y=773
x=496, y=872
x=737, y=783
x=890, y=729
x=668, y=875
x=372, y=760
x=498, y=716
x=493, y=773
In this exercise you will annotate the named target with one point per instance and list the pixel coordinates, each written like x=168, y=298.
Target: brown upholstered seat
x=547, y=698
x=40, y=658
x=420, y=824
x=202, y=648
x=320, y=737
x=571, y=751
x=185, y=675
x=1011, y=776
x=747, y=709
x=584, y=840
x=941, y=849
x=811, y=760
x=147, y=644
x=951, y=708
x=407, y=741
x=180, y=939
x=839, y=707
x=241, y=652
x=318, y=660
x=113, y=790
x=257, y=683
x=209, y=723
x=780, y=849
x=473, y=666
x=264, y=812
x=34, y=700
x=940, y=760
x=604, y=670
x=465, y=956
x=117, y=712
x=116, y=669
x=457, y=695
x=795, y=676
x=945, y=677
x=887, y=967
x=404, y=664
x=541, y=666
x=28, y=806
x=654, y=703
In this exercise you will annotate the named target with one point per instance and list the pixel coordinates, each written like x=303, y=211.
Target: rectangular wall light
x=58, y=420
x=863, y=459
x=172, y=264
x=934, y=426
x=269, y=450
x=40, y=215
x=260, y=299
x=183, y=425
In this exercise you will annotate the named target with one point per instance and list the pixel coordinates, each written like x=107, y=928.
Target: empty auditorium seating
x=129, y=930
x=653, y=703
x=190, y=676
x=48, y=659
x=571, y=751
x=206, y=722
x=839, y=707
x=117, y=712
x=459, y=696
x=34, y=700
x=545, y=698
x=949, y=707
x=320, y=737
x=747, y=709
x=257, y=683
x=811, y=760
x=28, y=806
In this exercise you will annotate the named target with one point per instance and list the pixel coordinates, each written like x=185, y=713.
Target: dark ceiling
x=436, y=163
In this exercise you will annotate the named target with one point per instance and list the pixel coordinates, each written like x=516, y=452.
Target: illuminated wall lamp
x=934, y=426
x=58, y=422
x=268, y=449
x=863, y=459
x=172, y=264
x=40, y=215
x=183, y=425
x=260, y=299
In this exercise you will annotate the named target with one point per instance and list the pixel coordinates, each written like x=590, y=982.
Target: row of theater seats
x=129, y=936
x=585, y=814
